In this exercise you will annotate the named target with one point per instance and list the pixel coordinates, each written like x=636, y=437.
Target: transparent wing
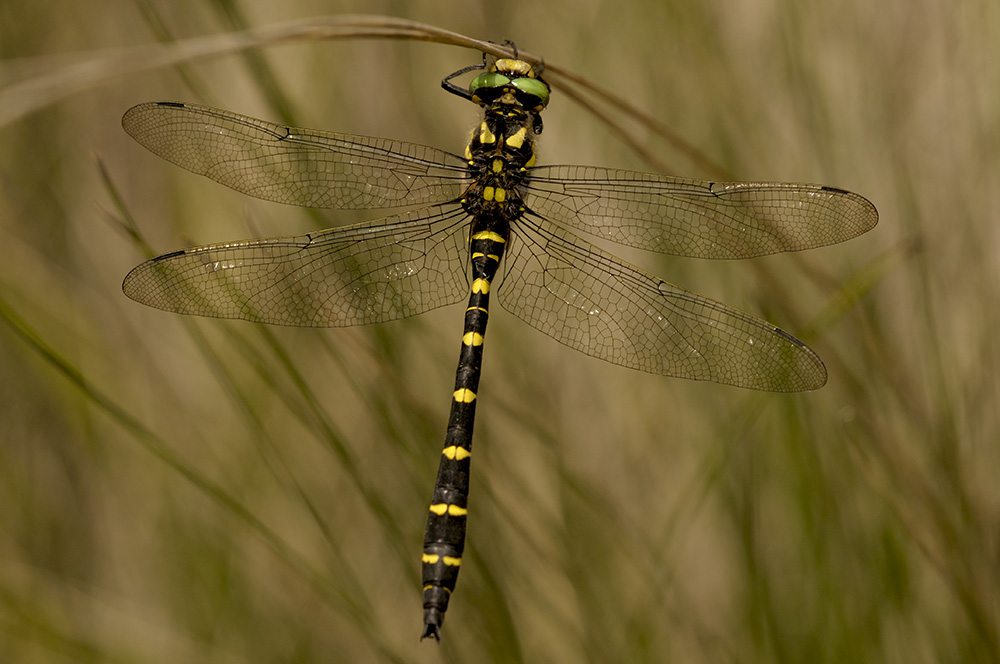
x=594, y=302
x=296, y=166
x=697, y=218
x=372, y=272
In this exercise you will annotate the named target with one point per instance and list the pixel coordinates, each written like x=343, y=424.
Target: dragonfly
x=489, y=222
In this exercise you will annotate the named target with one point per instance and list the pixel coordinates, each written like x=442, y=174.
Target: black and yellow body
x=499, y=153
x=489, y=223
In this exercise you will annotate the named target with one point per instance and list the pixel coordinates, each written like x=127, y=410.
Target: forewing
x=372, y=272
x=296, y=166
x=702, y=219
x=599, y=305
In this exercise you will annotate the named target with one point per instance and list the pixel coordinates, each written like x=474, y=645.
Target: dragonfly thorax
x=500, y=151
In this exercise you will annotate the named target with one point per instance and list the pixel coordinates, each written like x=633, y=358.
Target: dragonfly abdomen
x=444, y=538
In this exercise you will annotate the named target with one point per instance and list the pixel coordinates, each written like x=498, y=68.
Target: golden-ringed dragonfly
x=489, y=222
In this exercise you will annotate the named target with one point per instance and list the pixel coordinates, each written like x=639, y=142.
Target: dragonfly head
x=515, y=79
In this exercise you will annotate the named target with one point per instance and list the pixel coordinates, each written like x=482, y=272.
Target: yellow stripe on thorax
x=517, y=140
x=486, y=136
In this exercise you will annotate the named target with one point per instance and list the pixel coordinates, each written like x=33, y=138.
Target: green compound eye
x=533, y=87
x=488, y=80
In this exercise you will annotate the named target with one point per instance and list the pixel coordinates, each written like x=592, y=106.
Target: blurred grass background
x=197, y=490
